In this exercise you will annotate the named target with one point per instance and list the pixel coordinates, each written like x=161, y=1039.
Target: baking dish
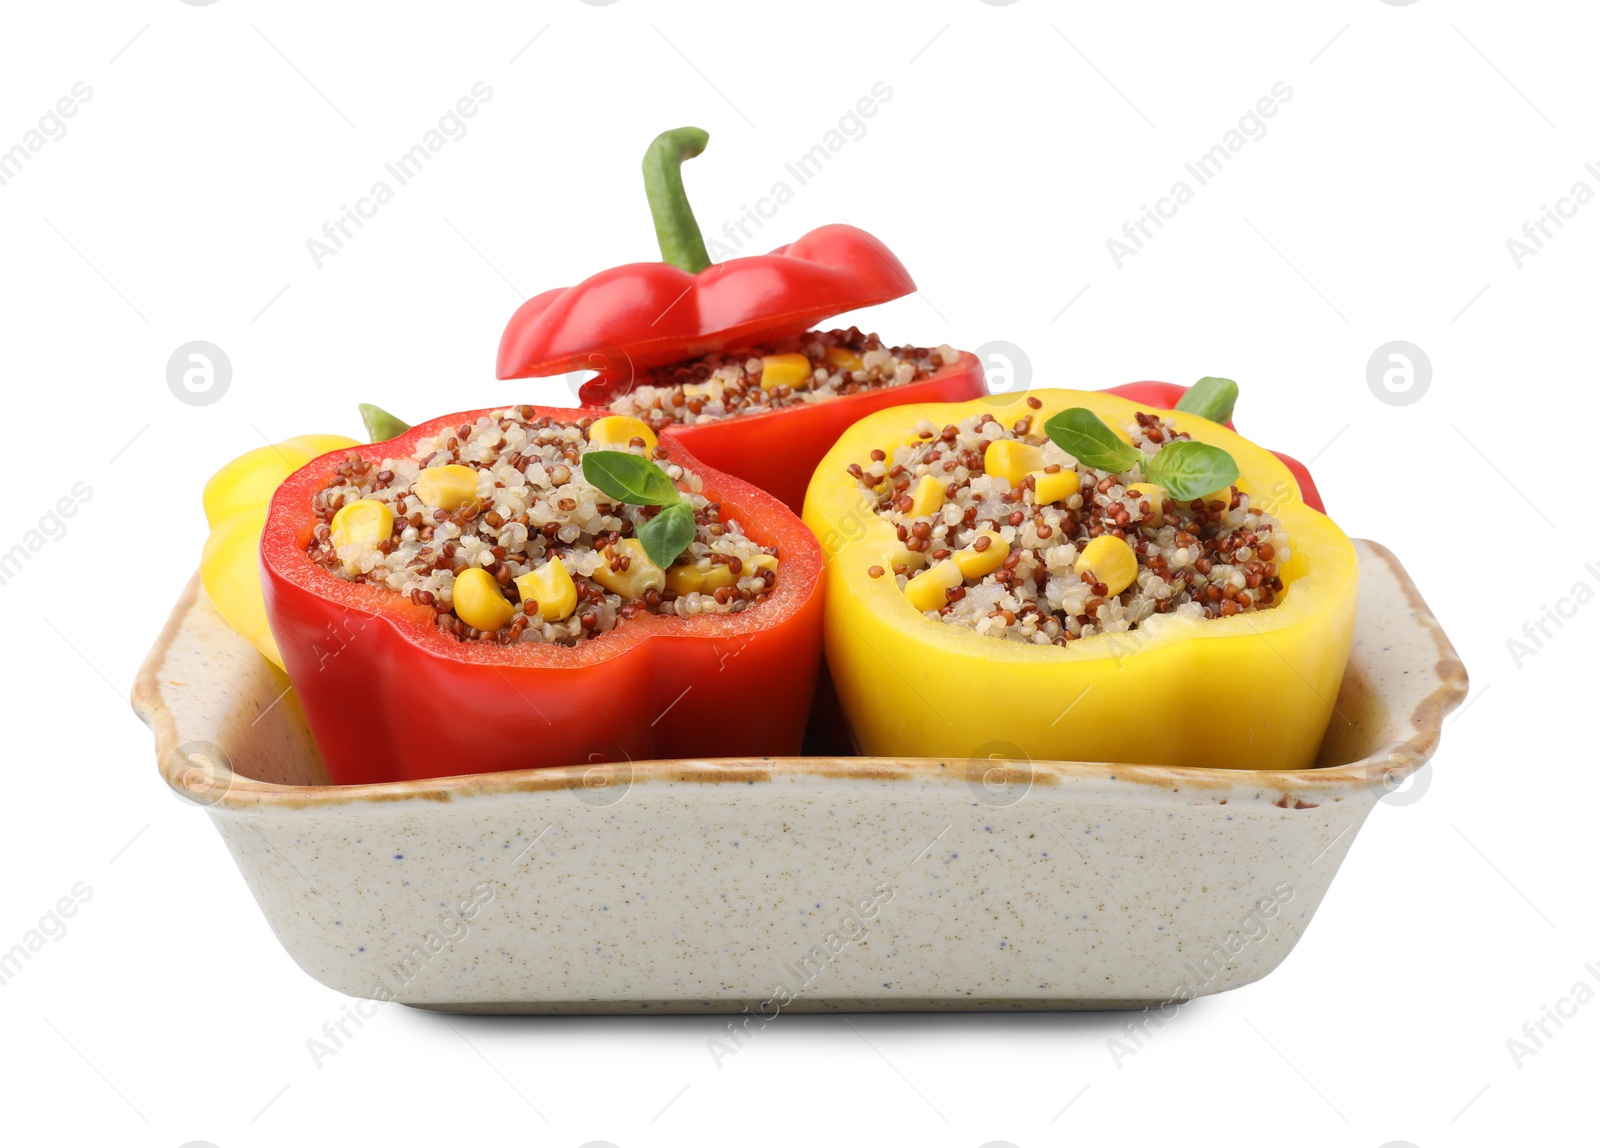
x=828, y=883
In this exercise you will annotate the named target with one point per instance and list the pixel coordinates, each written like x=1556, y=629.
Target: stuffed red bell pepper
x=528, y=587
x=723, y=356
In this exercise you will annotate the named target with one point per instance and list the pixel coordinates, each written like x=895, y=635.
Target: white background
x=1017, y=141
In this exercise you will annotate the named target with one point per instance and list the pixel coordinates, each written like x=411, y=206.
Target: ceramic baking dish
x=789, y=884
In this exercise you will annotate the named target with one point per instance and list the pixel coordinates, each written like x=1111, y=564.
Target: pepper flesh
x=235, y=501
x=913, y=686
x=778, y=449
x=655, y=686
x=642, y=315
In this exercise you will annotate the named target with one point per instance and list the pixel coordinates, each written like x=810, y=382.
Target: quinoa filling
x=808, y=368
x=1004, y=532
x=493, y=525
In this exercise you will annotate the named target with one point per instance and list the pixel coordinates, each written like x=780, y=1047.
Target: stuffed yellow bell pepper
x=236, y=499
x=1154, y=625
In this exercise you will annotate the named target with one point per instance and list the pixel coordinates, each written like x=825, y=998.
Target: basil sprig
x=1188, y=470
x=1081, y=434
x=1210, y=398
x=627, y=477
x=1185, y=469
x=669, y=533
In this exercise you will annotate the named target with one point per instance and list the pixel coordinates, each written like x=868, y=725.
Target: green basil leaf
x=627, y=477
x=669, y=533
x=1081, y=434
x=1211, y=398
x=1188, y=470
x=381, y=425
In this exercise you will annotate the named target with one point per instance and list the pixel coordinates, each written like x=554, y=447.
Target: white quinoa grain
x=1192, y=561
x=721, y=386
x=530, y=478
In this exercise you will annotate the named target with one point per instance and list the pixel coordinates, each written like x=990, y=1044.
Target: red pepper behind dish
x=1165, y=396
x=778, y=450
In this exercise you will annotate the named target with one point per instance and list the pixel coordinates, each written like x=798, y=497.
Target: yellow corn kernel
x=1110, y=560
x=716, y=578
x=759, y=563
x=699, y=390
x=975, y=563
x=478, y=601
x=683, y=580
x=640, y=576
x=1048, y=488
x=784, y=371
x=927, y=590
x=1012, y=460
x=365, y=521
x=843, y=358
x=552, y=588
x=447, y=487
x=909, y=560
x=620, y=430
x=1151, y=493
x=927, y=498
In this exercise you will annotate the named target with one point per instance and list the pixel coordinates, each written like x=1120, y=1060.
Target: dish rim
x=221, y=788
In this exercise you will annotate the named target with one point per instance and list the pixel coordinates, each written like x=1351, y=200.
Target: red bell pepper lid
x=646, y=314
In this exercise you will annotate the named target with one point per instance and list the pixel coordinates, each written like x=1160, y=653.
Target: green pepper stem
x=381, y=425
x=676, y=229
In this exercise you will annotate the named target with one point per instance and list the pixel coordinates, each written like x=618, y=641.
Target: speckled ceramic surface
x=799, y=884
